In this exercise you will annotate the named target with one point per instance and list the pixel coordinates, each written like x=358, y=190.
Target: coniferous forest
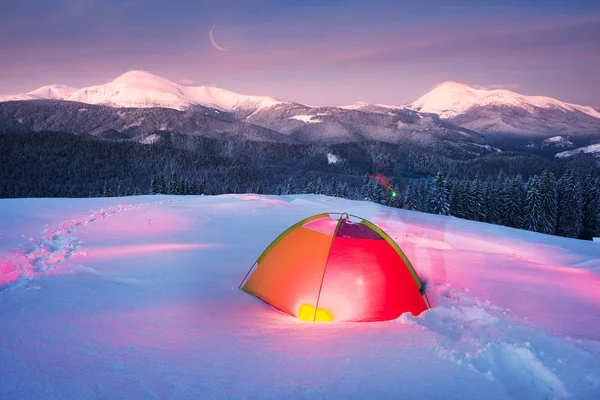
x=557, y=197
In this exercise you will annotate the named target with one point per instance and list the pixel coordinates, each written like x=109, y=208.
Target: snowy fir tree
x=310, y=188
x=334, y=189
x=533, y=214
x=514, y=200
x=120, y=189
x=154, y=184
x=106, y=192
x=175, y=187
x=591, y=208
x=163, y=185
x=492, y=203
x=304, y=187
x=345, y=191
x=439, y=201
x=319, y=186
x=549, y=202
x=410, y=198
x=570, y=210
x=290, y=187
x=365, y=188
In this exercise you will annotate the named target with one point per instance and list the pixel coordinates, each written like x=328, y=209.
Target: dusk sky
x=314, y=52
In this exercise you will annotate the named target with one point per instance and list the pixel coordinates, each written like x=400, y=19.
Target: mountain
x=475, y=120
x=138, y=103
x=593, y=149
x=141, y=89
x=335, y=124
x=504, y=112
x=45, y=92
x=127, y=123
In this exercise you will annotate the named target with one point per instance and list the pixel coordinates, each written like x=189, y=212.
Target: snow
x=332, y=158
x=136, y=297
x=150, y=139
x=450, y=99
x=135, y=123
x=557, y=141
x=45, y=92
x=593, y=149
x=306, y=118
x=143, y=89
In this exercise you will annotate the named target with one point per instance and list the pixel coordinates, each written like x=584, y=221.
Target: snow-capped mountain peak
x=45, y=92
x=143, y=89
x=449, y=99
x=53, y=92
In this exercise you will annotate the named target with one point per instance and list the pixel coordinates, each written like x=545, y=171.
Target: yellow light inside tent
x=307, y=313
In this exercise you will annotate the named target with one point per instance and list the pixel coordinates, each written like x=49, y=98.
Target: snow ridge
x=450, y=99
x=144, y=90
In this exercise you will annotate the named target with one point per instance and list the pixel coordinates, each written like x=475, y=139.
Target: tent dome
x=336, y=267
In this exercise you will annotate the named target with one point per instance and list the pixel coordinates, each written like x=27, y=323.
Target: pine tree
x=289, y=187
x=465, y=206
x=570, y=206
x=194, y=187
x=410, y=197
x=422, y=197
x=439, y=201
x=319, y=187
x=492, y=203
x=154, y=185
x=345, y=193
x=106, y=192
x=334, y=187
x=549, y=202
x=365, y=189
x=305, y=186
x=259, y=188
x=533, y=214
x=591, y=207
x=514, y=203
x=175, y=187
x=310, y=187
x=503, y=189
x=456, y=195
x=163, y=185
x=120, y=189
x=375, y=192
x=478, y=201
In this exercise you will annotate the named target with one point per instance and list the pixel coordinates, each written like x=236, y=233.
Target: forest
x=558, y=197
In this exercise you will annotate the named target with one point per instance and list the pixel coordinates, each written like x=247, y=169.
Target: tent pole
x=337, y=227
x=248, y=273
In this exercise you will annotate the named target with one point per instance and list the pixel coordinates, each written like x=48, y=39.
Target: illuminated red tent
x=329, y=268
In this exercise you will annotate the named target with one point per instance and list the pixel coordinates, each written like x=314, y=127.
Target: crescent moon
x=212, y=40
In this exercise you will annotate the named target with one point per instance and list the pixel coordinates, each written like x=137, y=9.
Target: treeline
x=568, y=206
x=512, y=189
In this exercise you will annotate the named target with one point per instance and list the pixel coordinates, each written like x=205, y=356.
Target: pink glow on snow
x=146, y=248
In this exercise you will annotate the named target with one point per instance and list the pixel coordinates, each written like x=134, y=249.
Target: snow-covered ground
x=136, y=298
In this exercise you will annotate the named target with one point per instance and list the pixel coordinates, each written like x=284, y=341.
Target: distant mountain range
x=138, y=104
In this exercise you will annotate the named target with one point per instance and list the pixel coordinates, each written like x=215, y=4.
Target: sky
x=316, y=52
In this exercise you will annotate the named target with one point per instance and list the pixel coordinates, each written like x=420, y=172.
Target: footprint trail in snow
x=48, y=253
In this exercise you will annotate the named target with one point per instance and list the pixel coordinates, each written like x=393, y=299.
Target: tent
x=336, y=267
